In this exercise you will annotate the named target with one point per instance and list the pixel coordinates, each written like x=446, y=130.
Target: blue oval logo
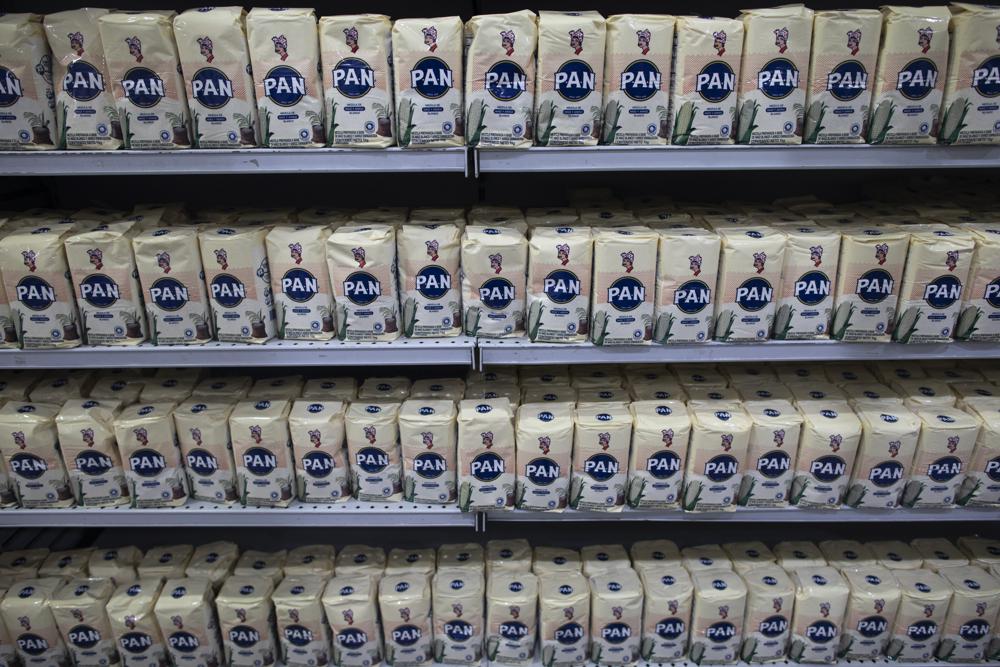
x=640, y=80
x=487, y=466
x=431, y=77
x=99, y=290
x=168, y=294
x=601, y=467
x=943, y=291
x=574, y=80
x=299, y=285
x=663, y=464
x=561, y=286
x=626, y=293
x=542, y=471
x=143, y=87
x=429, y=465
x=847, y=80
x=211, y=87
x=874, y=286
x=353, y=77
x=147, y=462
x=778, y=78
x=812, y=287
x=505, y=80
x=10, y=88
x=754, y=294
x=34, y=293
x=986, y=77
x=227, y=290
x=497, y=293
x=917, y=79
x=284, y=86
x=715, y=82
x=83, y=82
x=91, y=462
x=692, y=297
x=362, y=288
x=722, y=467
x=433, y=282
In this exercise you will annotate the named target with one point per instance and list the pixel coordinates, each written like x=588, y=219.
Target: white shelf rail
x=198, y=514
x=521, y=351
x=455, y=351
x=748, y=515
x=724, y=158
x=237, y=161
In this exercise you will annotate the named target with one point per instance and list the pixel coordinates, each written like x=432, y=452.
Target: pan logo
x=371, y=459
x=83, y=636
x=362, y=288
x=773, y=626
x=34, y=293
x=90, y=462
x=352, y=638
x=812, y=287
x=561, y=286
x=774, y=464
x=670, y=628
x=299, y=285
x=184, y=642
x=284, y=86
x=433, y=282
x=692, y=297
x=10, y=88
x=569, y=634
x=828, y=468
x=83, y=82
x=429, y=465
x=505, y=81
x=227, y=290
x=431, y=78
x=715, y=82
x=574, y=80
x=778, y=78
x=244, y=636
x=353, y=77
x=99, y=290
x=847, y=80
x=886, y=473
x=259, y=461
x=872, y=626
x=641, y=80
x=821, y=632
x=143, y=87
x=211, y=87
x=720, y=632
x=135, y=642
x=318, y=464
x=663, y=465
x=488, y=466
x=917, y=79
x=986, y=77
x=168, y=294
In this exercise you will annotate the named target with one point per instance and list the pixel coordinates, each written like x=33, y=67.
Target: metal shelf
x=881, y=662
x=726, y=158
x=197, y=514
x=456, y=351
x=242, y=161
x=743, y=515
x=520, y=351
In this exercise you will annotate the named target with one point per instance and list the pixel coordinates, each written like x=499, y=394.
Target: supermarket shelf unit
x=520, y=351
x=240, y=161
x=724, y=158
x=750, y=515
x=455, y=351
x=199, y=514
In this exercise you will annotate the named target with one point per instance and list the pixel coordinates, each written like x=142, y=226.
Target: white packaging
x=827, y=449
x=26, y=84
x=716, y=458
x=300, y=281
x=203, y=433
x=772, y=452
x=429, y=443
x=351, y=611
x=559, y=266
x=246, y=619
x=262, y=448
x=820, y=604
x=239, y=283
x=660, y=435
x=667, y=598
x=429, y=279
x=749, y=273
x=486, y=453
x=982, y=482
x=600, y=457
x=885, y=455
x=494, y=260
x=373, y=451
x=564, y=617
x=717, y=617
x=871, y=609
x=687, y=272
x=616, y=604
x=147, y=440
x=968, y=113
x=29, y=622
x=923, y=608
x=544, y=456
x=947, y=439
x=972, y=614
x=767, y=620
x=812, y=255
x=362, y=262
x=624, y=287
x=459, y=617
x=320, y=450
x=90, y=452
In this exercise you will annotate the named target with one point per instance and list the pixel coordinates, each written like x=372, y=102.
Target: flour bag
x=969, y=115
x=559, y=263
x=151, y=104
x=303, y=634
x=885, y=453
x=134, y=625
x=300, y=281
x=841, y=75
x=173, y=286
x=429, y=279
x=717, y=617
x=774, y=68
x=947, y=439
x=356, y=52
x=79, y=611
x=239, y=283
x=511, y=615
x=770, y=600
x=147, y=440
x=352, y=612
x=544, y=451
x=716, y=457
x=429, y=441
x=486, y=453
x=203, y=433
x=624, y=287
x=749, y=273
x=320, y=449
x=26, y=90
x=374, y=452
x=29, y=622
x=600, y=457
x=30, y=449
x=88, y=447
x=809, y=270
x=871, y=266
x=821, y=595
x=616, y=604
x=659, y=450
x=706, y=67
x=186, y=615
x=212, y=46
x=771, y=453
x=405, y=604
x=909, y=82
x=459, y=616
x=83, y=86
x=500, y=79
x=362, y=261
x=637, y=75
x=427, y=68
x=493, y=281
x=923, y=608
x=246, y=619
x=570, y=76
x=827, y=449
x=981, y=487
x=871, y=609
x=284, y=52
x=686, y=277
x=262, y=448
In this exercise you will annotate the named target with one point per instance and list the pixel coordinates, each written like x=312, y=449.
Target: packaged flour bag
x=429, y=443
x=151, y=104
x=616, y=605
x=821, y=595
x=79, y=611
x=310, y=560
x=896, y=555
x=356, y=559
x=653, y=554
x=930, y=295
x=36, y=279
x=544, y=456
x=624, y=287
x=637, y=79
x=603, y=558
x=301, y=623
x=771, y=454
x=661, y=430
x=26, y=86
x=871, y=609
x=67, y=563
x=500, y=79
x=486, y=448
x=246, y=619
x=717, y=617
x=767, y=626
x=213, y=561
x=263, y=564
x=133, y=623
x=212, y=46
x=21, y=564
x=459, y=616
x=463, y=556
x=331, y=389
x=494, y=261
x=427, y=72
x=116, y=564
x=187, y=618
x=749, y=273
x=968, y=113
x=827, y=449
x=107, y=284
x=362, y=260
x=90, y=452
x=351, y=611
x=706, y=68
x=667, y=598
x=570, y=77
x=885, y=454
x=203, y=433
x=511, y=613
x=559, y=263
x=705, y=557
x=716, y=458
x=774, y=68
x=443, y=389
x=173, y=285
x=239, y=282
x=374, y=451
x=29, y=622
x=939, y=553
x=385, y=389
x=86, y=116
x=981, y=487
x=262, y=448
x=429, y=279
x=147, y=440
x=564, y=618
x=871, y=265
x=980, y=316
x=320, y=449
x=972, y=614
x=685, y=284
x=923, y=608
x=600, y=457
x=300, y=281
x=947, y=439
x=804, y=308
x=405, y=605
x=284, y=52
x=30, y=448
x=357, y=80
x=844, y=50
x=909, y=82
x=548, y=560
